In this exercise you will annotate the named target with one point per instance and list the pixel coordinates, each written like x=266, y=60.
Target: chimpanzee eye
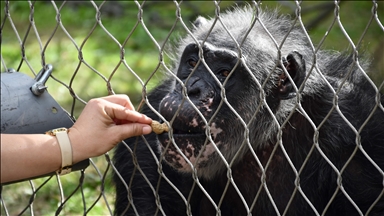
x=192, y=62
x=224, y=73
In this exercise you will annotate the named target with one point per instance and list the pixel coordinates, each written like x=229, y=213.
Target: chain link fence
x=106, y=47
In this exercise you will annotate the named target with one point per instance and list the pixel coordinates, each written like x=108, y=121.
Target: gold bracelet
x=65, y=147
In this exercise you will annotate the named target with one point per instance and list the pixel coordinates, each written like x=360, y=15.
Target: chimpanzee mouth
x=184, y=135
x=177, y=132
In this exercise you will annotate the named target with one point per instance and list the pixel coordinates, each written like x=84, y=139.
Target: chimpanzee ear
x=295, y=66
x=200, y=21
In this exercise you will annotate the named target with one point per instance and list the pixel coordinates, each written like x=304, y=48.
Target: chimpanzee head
x=229, y=88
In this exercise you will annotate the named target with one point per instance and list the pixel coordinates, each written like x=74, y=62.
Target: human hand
x=103, y=123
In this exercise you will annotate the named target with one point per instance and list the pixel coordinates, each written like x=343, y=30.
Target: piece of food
x=159, y=128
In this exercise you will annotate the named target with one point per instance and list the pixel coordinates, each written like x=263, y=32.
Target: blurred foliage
x=100, y=51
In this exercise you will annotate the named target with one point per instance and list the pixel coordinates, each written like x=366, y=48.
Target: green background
x=101, y=53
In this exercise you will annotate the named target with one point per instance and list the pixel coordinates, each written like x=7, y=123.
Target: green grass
x=102, y=53
x=48, y=197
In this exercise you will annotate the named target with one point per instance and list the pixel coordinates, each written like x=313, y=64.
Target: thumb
x=133, y=129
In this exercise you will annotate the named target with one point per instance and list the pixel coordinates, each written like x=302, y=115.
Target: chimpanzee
x=262, y=123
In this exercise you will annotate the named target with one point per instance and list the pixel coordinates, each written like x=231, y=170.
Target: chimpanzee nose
x=198, y=89
x=194, y=87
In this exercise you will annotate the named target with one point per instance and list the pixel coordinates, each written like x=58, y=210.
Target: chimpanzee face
x=216, y=102
x=201, y=114
x=201, y=108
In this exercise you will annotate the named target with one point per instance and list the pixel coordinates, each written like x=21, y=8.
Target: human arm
x=103, y=123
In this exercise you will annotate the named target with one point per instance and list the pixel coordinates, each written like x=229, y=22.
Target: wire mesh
x=95, y=44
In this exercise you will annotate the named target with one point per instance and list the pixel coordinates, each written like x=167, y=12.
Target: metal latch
x=41, y=78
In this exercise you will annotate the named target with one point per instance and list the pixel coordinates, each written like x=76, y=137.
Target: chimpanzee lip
x=191, y=134
x=182, y=138
x=183, y=133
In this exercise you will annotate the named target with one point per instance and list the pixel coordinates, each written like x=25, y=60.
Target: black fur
x=356, y=101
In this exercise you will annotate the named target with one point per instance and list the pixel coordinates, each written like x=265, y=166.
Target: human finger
x=131, y=130
x=120, y=99
x=124, y=115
